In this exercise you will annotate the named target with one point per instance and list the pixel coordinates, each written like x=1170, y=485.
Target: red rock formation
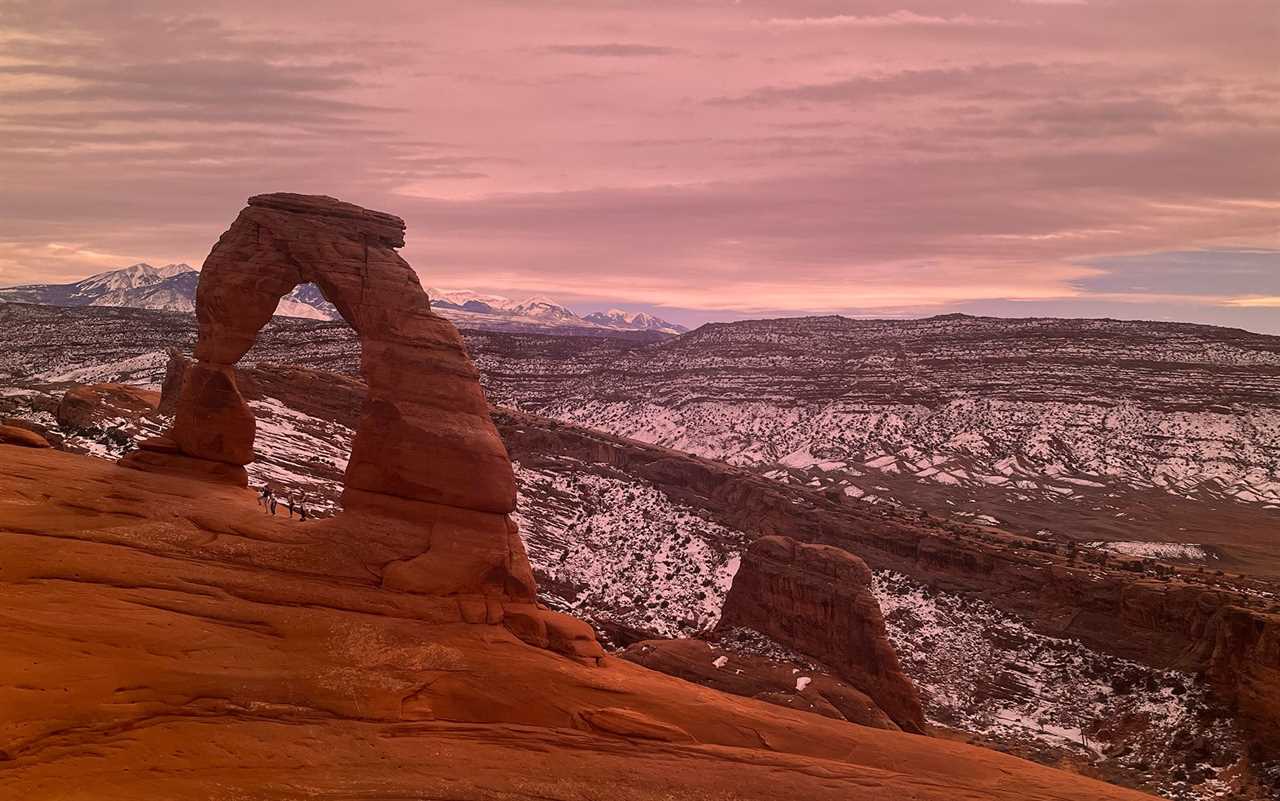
x=1244, y=663
x=93, y=405
x=174, y=374
x=425, y=433
x=13, y=435
x=817, y=600
x=427, y=469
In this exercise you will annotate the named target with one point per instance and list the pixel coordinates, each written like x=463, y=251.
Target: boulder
x=93, y=406
x=816, y=599
x=50, y=436
x=22, y=437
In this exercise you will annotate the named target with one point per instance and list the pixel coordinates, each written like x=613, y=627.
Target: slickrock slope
x=22, y=437
x=817, y=600
x=784, y=678
x=163, y=638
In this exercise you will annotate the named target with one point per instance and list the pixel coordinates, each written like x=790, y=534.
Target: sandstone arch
x=429, y=484
x=425, y=433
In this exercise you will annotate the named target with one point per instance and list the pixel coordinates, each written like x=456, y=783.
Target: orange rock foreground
x=163, y=638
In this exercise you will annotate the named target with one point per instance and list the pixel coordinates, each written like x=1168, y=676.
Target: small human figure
x=273, y=505
x=262, y=496
x=268, y=499
x=288, y=504
x=302, y=512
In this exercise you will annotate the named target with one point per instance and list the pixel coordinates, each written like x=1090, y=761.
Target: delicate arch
x=425, y=433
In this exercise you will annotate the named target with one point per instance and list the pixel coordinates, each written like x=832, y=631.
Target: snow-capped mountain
x=173, y=288
x=470, y=309
x=639, y=321
x=545, y=309
x=168, y=288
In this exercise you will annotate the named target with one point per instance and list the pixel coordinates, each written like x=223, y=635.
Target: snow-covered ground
x=980, y=670
x=297, y=453
x=625, y=550
x=1054, y=446
x=1181, y=551
x=145, y=370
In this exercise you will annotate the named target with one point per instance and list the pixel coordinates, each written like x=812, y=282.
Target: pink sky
x=703, y=159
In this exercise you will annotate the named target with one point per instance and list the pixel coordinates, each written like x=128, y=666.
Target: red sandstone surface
x=163, y=638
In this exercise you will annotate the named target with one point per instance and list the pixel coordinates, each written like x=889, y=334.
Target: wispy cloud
x=1255, y=302
x=613, y=50
x=899, y=18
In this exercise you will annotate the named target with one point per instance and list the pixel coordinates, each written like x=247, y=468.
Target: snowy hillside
x=1006, y=419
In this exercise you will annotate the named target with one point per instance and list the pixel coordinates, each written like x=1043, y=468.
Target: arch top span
x=425, y=433
x=387, y=228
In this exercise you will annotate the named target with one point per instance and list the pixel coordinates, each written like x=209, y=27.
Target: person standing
x=288, y=504
x=273, y=505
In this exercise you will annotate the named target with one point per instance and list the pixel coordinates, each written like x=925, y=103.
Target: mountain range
x=173, y=288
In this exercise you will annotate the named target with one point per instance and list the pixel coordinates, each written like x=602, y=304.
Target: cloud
x=613, y=50
x=869, y=87
x=1255, y=302
x=898, y=18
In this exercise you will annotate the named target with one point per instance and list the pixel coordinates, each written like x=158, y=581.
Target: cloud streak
x=613, y=50
x=901, y=17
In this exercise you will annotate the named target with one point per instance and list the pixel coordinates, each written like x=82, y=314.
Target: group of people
x=267, y=500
